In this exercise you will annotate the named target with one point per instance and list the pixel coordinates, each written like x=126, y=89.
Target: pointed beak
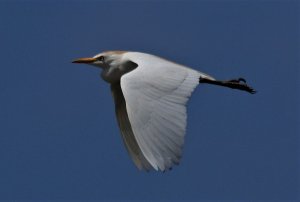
x=84, y=60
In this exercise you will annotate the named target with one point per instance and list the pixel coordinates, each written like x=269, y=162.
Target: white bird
x=150, y=95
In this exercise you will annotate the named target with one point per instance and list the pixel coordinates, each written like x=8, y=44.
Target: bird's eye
x=100, y=58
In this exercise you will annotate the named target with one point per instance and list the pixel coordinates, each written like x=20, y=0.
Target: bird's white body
x=150, y=96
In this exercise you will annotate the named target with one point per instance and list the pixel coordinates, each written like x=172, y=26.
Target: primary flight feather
x=150, y=95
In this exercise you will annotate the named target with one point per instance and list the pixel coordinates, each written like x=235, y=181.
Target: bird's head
x=103, y=60
x=114, y=64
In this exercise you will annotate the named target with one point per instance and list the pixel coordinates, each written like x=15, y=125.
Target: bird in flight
x=150, y=95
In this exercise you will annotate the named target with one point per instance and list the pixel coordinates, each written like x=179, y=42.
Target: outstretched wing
x=126, y=130
x=156, y=93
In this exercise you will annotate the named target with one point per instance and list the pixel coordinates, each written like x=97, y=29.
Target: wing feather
x=156, y=93
x=126, y=130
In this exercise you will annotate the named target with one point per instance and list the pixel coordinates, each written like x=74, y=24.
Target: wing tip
x=159, y=169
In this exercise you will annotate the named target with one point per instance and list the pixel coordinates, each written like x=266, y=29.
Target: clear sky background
x=58, y=133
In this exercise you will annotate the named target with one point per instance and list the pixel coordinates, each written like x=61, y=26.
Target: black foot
x=240, y=84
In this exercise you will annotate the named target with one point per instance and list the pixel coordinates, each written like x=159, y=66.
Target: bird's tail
x=206, y=76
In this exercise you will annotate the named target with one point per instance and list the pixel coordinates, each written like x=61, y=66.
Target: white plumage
x=150, y=94
x=156, y=94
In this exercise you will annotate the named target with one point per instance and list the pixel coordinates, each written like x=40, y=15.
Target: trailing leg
x=239, y=84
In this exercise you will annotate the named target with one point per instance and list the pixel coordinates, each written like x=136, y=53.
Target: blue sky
x=59, y=137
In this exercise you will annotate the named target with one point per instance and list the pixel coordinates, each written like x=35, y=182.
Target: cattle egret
x=150, y=95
